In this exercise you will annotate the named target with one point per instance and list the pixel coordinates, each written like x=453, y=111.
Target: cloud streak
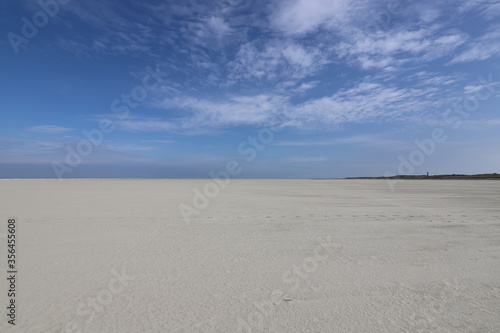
x=50, y=129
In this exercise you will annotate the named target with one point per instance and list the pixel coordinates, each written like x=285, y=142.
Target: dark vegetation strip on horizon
x=451, y=176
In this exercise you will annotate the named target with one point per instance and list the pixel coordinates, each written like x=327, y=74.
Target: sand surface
x=264, y=256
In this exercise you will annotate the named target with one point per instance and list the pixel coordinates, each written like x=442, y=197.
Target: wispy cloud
x=50, y=129
x=421, y=98
x=16, y=147
x=483, y=47
x=158, y=141
x=370, y=101
x=205, y=116
x=352, y=140
x=304, y=159
x=305, y=16
x=394, y=48
x=127, y=148
x=480, y=124
x=276, y=60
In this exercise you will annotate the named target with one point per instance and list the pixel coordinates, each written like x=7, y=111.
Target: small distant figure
x=427, y=173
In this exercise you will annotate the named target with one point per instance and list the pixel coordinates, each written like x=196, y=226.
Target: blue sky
x=177, y=89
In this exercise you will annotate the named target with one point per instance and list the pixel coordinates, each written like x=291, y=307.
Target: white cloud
x=295, y=17
x=277, y=59
x=286, y=63
x=358, y=139
x=159, y=141
x=415, y=39
x=237, y=110
x=50, y=129
x=395, y=48
x=416, y=98
x=145, y=125
x=302, y=159
x=14, y=146
x=479, y=125
x=369, y=101
x=127, y=148
x=218, y=26
x=425, y=78
x=306, y=86
x=482, y=48
x=470, y=89
x=205, y=116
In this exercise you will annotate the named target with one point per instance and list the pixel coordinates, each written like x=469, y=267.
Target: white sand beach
x=264, y=256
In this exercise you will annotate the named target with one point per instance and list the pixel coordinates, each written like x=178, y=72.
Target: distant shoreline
x=483, y=176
